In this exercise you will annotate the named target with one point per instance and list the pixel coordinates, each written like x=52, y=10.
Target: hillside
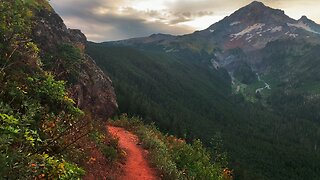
x=44, y=77
x=160, y=88
x=264, y=108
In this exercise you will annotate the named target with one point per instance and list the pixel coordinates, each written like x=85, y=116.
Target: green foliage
x=110, y=150
x=68, y=51
x=15, y=26
x=195, y=161
x=21, y=114
x=220, y=157
x=35, y=110
x=47, y=167
x=244, y=73
x=110, y=153
x=52, y=92
x=65, y=62
x=20, y=134
x=14, y=19
x=174, y=157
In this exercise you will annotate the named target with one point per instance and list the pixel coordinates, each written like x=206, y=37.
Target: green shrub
x=109, y=152
x=66, y=63
x=109, y=149
x=35, y=109
x=48, y=167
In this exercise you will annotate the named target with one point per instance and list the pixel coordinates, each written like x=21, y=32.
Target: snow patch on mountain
x=249, y=29
x=276, y=29
x=215, y=63
x=235, y=23
x=291, y=34
x=304, y=26
x=170, y=50
x=249, y=36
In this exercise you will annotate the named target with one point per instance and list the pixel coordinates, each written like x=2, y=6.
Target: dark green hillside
x=191, y=100
x=293, y=70
x=160, y=88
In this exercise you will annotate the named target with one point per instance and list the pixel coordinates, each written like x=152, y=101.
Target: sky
x=109, y=20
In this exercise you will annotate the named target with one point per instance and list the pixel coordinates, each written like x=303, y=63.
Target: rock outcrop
x=92, y=90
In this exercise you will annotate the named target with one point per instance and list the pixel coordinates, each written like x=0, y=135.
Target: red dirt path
x=136, y=167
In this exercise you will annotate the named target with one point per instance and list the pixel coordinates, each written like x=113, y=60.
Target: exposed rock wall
x=92, y=90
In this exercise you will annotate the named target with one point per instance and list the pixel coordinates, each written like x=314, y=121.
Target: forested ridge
x=194, y=101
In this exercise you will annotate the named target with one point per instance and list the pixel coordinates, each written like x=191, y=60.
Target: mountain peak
x=257, y=4
x=305, y=19
x=257, y=12
x=310, y=23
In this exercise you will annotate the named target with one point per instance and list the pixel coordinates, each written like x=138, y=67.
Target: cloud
x=104, y=20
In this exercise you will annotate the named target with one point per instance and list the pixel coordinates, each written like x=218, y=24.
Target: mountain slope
x=265, y=110
x=193, y=100
x=158, y=86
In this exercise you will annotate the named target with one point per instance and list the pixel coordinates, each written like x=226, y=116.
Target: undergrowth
x=107, y=144
x=37, y=115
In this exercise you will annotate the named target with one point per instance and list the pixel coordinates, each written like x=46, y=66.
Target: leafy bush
x=109, y=149
x=66, y=63
x=18, y=133
x=47, y=167
x=52, y=92
x=109, y=152
x=35, y=110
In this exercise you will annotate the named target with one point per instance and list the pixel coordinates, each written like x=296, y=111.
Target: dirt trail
x=136, y=167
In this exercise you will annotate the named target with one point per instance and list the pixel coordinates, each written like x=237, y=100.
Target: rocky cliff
x=91, y=89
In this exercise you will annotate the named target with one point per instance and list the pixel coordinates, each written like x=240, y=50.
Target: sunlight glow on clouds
x=202, y=22
x=105, y=20
x=148, y=5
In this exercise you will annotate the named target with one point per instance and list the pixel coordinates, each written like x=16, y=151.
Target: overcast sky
x=106, y=20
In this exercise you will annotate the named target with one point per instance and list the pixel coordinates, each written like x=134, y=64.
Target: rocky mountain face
x=251, y=28
x=91, y=88
x=237, y=40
